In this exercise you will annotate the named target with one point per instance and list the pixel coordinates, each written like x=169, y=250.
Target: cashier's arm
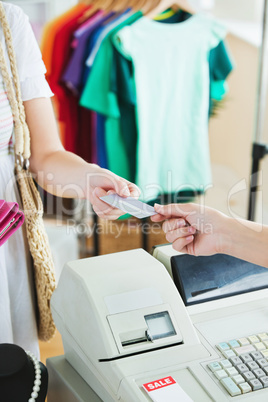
x=63, y=173
x=198, y=230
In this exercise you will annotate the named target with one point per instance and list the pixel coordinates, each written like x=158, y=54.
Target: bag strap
x=21, y=130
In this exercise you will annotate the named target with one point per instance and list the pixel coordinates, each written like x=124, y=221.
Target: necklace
x=37, y=380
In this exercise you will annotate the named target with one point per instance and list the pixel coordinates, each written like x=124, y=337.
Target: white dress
x=17, y=302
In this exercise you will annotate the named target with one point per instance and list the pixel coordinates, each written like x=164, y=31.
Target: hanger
x=105, y=5
x=165, y=4
x=149, y=8
x=122, y=5
x=89, y=12
x=118, y=5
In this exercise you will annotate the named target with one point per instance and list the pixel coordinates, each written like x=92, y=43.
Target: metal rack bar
x=259, y=150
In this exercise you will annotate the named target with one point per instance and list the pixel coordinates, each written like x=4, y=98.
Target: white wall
x=41, y=11
x=35, y=8
x=231, y=137
x=246, y=10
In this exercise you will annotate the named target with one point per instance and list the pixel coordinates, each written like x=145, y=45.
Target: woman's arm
x=63, y=173
x=198, y=230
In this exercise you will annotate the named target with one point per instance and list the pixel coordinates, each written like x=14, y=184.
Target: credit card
x=130, y=205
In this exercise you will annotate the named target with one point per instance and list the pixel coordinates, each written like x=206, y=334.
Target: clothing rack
x=72, y=94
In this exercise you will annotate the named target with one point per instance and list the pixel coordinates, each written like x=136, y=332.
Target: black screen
x=200, y=279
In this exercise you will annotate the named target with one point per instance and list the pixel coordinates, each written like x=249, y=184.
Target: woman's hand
x=65, y=174
x=102, y=182
x=192, y=228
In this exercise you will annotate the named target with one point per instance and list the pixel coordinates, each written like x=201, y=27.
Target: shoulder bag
x=32, y=204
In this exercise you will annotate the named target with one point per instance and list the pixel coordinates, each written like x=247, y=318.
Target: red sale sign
x=166, y=389
x=163, y=382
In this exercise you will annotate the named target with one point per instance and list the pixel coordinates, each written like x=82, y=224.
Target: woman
x=57, y=171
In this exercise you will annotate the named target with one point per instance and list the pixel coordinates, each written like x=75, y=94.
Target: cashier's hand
x=192, y=228
x=103, y=182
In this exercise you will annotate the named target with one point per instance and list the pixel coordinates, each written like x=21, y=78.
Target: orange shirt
x=47, y=48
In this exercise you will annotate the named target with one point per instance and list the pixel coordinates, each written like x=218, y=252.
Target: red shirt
x=67, y=104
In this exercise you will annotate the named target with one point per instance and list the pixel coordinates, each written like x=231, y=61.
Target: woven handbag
x=32, y=204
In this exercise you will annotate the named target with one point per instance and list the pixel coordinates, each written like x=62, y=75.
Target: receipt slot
x=123, y=324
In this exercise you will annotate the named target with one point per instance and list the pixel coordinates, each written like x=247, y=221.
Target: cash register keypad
x=245, y=365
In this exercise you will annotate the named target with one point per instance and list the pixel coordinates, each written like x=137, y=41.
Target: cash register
x=130, y=334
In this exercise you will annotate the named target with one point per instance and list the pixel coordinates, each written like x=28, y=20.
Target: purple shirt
x=73, y=74
x=84, y=27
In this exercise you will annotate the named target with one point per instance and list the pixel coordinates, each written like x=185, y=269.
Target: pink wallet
x=11, y=218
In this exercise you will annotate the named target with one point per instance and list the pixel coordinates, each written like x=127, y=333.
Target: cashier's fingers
x=158, y=218
x=176, y=210
x=169, y=211
x=181, y=233
x=172, y=224
x=184, y=244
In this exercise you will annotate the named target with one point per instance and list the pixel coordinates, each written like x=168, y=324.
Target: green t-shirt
x=123, y=85
x=172, y=85
x=97, y=87
x=110, y=90
x=98, y=97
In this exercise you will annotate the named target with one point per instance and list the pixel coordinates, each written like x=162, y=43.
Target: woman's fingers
x=134, y=190
x=113, y=214
x=102, y=209
x=125, y=188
